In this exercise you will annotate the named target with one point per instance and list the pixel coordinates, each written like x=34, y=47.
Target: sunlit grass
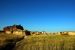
x=46, y=42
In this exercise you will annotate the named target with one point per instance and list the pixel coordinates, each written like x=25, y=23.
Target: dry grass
x=45, y=42
x=8, y=40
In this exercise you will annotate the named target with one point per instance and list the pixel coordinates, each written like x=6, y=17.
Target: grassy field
x=8, y=41
x=45, y=42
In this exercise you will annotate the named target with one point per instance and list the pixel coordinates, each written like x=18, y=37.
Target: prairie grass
x=47, y=42
x=6, y=39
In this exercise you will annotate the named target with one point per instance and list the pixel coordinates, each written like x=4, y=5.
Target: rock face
x=10, y=29
x=14, y=29
x=8, y=41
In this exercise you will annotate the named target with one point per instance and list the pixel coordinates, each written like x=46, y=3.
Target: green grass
x=45, y=42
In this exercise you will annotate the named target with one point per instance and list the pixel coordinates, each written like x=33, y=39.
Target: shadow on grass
x=9, y=46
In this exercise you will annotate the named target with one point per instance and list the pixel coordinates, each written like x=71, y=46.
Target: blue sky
x=39, y=15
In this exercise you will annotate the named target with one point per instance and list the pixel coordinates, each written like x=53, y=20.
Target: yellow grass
x=46, y=42
x=6, y=39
